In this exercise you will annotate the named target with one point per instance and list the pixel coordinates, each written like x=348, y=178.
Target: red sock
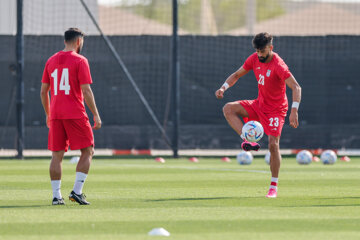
x=274, y=183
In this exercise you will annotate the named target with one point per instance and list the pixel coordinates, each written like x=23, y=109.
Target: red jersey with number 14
x=271, y=78
x=66, y=72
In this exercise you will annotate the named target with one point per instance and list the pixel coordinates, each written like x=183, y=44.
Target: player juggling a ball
x=271, y=106
x=67, y=77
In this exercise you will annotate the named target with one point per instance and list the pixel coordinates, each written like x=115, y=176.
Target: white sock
x=274, y=183
x=79, y=182
x=56, y=187
x=274, y=179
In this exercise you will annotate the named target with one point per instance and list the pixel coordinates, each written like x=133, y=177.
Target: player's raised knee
x=227, y=109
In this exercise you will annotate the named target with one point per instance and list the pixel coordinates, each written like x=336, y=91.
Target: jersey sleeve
x=84, y=75
x=283, y=71
x=45, y=77
x=248, y=64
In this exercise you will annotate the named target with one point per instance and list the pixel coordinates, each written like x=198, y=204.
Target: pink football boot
x=272, y=193
x=247, y=146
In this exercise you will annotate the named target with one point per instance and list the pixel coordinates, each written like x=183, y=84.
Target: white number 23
x=261, y=80
x=274, y=122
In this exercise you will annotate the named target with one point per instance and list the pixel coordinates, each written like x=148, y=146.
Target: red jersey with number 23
x=271, y=78
x=66, y=72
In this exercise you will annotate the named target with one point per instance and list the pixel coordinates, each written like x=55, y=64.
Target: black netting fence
x=318, y=40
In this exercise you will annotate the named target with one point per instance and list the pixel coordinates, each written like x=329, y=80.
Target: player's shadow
x=330, y=205
x=23, y=206
x=323, y=206
x=329, y=198
x=187, y=199
x=334, y=205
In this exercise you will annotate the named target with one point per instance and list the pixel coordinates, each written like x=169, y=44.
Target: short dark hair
x=72, y=34
x=261, y=40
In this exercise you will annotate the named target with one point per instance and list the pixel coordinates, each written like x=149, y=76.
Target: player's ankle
x=274, y=183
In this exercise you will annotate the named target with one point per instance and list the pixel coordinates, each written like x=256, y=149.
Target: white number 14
x=64, y=81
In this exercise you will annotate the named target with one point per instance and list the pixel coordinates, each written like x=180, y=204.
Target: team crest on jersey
x=268, y=73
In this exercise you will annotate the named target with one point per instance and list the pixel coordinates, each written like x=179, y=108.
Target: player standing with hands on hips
x=67, y=77
x=270, y=107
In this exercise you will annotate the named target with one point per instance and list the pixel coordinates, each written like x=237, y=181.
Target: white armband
x=225, y=85
x=295, y=105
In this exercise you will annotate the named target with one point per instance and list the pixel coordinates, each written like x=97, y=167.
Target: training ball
x=304, y=157
x=328, y=157
x=244, y=158
x=74, y=160
x=253, y=131
x=267, y=158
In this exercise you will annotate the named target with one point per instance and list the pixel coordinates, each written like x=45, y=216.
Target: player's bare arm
x=296, y=97
x=230, y=81
x=44, y=95
x=90, y=102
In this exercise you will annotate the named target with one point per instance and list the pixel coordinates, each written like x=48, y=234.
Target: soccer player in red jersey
x=271, y=106
x=67, y=77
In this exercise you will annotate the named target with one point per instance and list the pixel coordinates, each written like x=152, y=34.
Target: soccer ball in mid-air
x=328, y=157
x=304, y=157
x=267, y=158
x=253, y=131
x=244, y=158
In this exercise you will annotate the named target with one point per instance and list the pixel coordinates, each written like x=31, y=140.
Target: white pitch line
x=185, y=168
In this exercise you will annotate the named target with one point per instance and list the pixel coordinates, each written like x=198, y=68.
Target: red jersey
x=271, y=78
x=65, y=72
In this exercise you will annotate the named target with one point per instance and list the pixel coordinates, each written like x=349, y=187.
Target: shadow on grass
x=188, y=199
x=323, y=205
x=337, y=205
x=329, y=198
x=25, y=206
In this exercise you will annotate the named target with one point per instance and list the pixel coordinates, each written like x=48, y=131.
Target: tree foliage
x=228, y=14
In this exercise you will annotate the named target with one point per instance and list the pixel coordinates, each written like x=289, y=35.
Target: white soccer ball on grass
x=267, y=158
x=74, y=160
x=328, y=157
x=244, y=158
x=304, y=157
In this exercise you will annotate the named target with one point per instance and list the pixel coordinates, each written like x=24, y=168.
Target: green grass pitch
x=206, y=200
